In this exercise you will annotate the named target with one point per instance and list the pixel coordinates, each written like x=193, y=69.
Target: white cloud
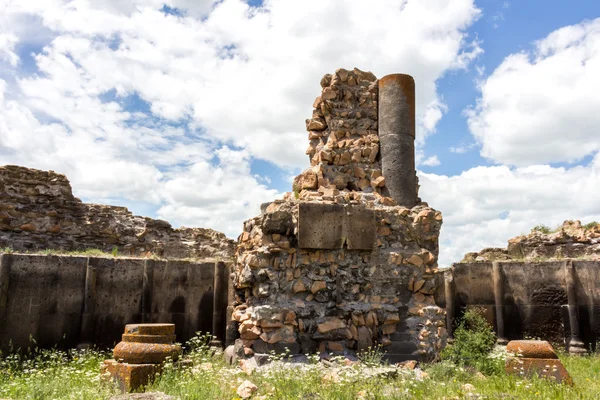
x=220, y=76
x=485, y=206
x=7, y=47
x=542, y=106
x=463, y=148
x=432, y=161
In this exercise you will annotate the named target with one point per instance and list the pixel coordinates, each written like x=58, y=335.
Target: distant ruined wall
x=570, y=240
x=65, y=301
x=557, y=301
x=38, y=211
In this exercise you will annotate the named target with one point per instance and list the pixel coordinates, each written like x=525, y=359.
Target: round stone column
x=397, y=137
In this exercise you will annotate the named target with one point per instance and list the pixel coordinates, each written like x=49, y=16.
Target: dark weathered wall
x=65, y=301
x=553, y=300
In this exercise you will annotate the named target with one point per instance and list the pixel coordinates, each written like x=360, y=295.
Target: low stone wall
x=558, y=301
x=65, y=301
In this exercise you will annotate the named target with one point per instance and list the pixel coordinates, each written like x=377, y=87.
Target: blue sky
x=506, y=27
x=193, y=111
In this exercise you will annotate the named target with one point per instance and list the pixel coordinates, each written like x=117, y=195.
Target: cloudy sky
x=193, y=110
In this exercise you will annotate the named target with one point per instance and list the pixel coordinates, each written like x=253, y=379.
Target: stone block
x=536, y=357
x=130, y=377
x=331, y=226
x=142, y=353
x=360, y=228
x=543, y=367
x=320, y=226
x=531, y=349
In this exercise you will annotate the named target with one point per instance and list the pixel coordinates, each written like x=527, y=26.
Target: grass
x=53, y=374
x=90, y=252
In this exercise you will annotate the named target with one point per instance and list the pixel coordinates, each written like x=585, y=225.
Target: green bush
x=590, y=225
x=542, y=228
x=474, y=341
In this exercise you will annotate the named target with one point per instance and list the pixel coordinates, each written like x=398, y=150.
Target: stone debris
x=38, y=211
x=571, y=240
x=337, y=266
x=535, y=357
x=246, y=389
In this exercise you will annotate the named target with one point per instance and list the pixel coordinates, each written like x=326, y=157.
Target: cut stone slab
x=536, y=357
x=543, y=367
x=331, y=226
x=320, y=226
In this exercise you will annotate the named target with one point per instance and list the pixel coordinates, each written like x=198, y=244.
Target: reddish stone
x=130, y=377
x=549, y=368
x=147, y=338
x=150, y=329
x=145, y=353
x=531, y=349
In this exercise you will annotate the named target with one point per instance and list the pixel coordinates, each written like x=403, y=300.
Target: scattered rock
x=246, y=389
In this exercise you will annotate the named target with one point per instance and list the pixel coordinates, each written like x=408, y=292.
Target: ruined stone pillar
x=397, y=137
x=498, y=277
x=89, y=305
x=4, y=281
x=450, y=304
x=147, y=288
x=576, y=345
x=220, y=295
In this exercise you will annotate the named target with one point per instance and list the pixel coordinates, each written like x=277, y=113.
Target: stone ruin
x=570, y=240
x=348, y=260
x=38, y=211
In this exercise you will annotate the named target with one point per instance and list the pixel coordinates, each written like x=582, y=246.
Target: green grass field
x=52, y=374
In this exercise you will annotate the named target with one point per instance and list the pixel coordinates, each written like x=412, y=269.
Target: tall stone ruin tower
x=347, y=260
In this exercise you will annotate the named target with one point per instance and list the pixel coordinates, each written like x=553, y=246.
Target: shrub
x=373, y=356
x=474, y=340
x=542, y=228
x=591, y=225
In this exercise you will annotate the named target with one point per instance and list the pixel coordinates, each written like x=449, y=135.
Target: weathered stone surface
x=531, y=349
x=129, y=377
x=549, y=368
x=145, y=353
x=246, y=389
x=570, y=240
x=137, y=362
x=148, y=338
x=397, y=135
x=333, y=226
x=321, y=226
x=150, y=329
x=339, y=275
x=38, y=211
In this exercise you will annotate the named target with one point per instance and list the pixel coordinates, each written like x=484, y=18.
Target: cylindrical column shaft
x=498, y=278
x=231, y=326
x=576, y=345
x=89, y=304
x=219, y=301
x=397, y=137
x=147, y=283
x=5, y=261
x=450, y=305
